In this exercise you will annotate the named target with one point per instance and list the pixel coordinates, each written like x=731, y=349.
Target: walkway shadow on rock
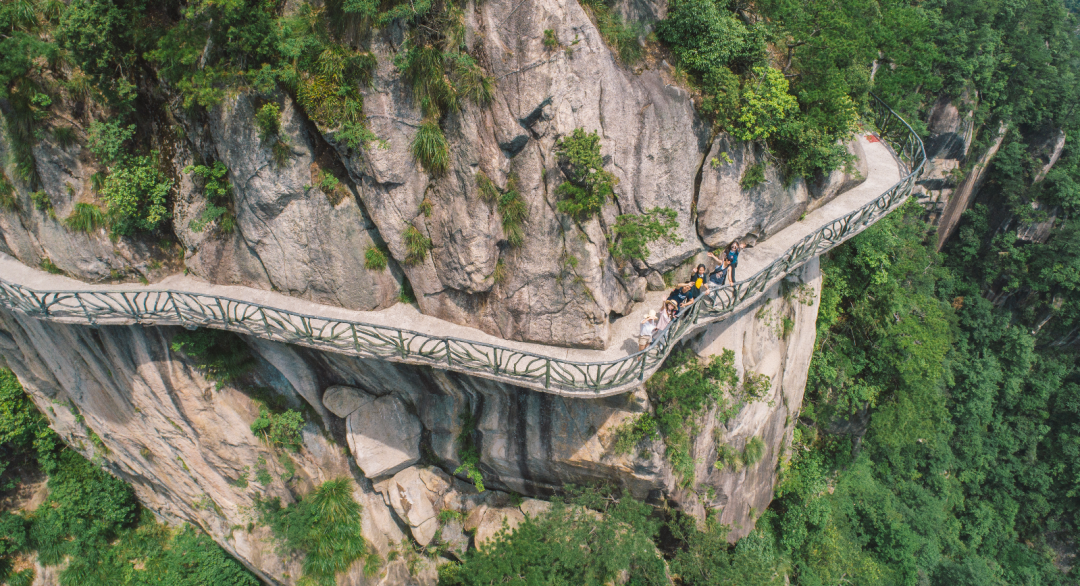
x=529, y=442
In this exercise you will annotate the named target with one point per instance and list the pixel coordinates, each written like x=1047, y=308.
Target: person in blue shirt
x=681, y=295
x=718, y=276
x=731, y=255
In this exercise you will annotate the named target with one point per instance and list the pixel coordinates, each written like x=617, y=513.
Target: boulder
x=342, y=400
x=638, y=289
x=454, y=539
x=384, y=437
x=727, y=211
x=533, y=508
x=655, y=281
x=416, y=494
x=488, y=521
x=825, y=187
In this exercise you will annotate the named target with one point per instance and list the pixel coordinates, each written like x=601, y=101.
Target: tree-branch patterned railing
x=544, y=373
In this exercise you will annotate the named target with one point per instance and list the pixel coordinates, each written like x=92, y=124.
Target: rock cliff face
x=123, y=398
x=954, y=174
x=293, y=237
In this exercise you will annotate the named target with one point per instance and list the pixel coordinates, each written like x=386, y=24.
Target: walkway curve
x=545, y=373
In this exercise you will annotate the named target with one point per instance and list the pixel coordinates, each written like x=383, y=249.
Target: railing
x=544, y=373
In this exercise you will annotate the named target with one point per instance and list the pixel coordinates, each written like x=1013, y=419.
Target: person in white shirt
x=648, y=326
x=667, y=313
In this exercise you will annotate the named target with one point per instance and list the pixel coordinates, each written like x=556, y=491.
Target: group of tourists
x=686, y=293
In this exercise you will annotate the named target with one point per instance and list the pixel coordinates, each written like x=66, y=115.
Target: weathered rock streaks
x=399, y=431
x=184, y=445
x=561, y=286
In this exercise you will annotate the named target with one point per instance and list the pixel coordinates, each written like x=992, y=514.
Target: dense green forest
x=952, y=375
x=966, y=471
x=954, y=371
x=89, y=517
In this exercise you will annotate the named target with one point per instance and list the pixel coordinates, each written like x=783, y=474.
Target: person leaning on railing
x=718, y=276
x=681, y=295
x=668, y=313
x=731, y=256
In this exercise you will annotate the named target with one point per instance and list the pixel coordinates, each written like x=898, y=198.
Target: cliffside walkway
x=402, y=334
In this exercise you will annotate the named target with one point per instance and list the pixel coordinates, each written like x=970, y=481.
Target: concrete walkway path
x=884, y=171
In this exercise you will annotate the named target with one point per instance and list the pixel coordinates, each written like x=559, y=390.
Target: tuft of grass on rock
x=374, y=258
x=416, y=246
x=430, y=148
x=86, y=217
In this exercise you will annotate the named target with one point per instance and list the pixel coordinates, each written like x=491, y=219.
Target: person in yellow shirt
x=697, y=282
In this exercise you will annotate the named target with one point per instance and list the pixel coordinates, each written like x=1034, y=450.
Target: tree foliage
x=588, y=185
x=90, y=519
x=634, y=233
x=589, y=540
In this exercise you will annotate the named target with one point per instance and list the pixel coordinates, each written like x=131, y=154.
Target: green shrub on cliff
x=588, y=185
x=468, y=453
x=634, y=233
x=279, y=429
x=621, y=35
x=682, y=391
x=268, y=120
x=135, y=196
x=325, y=526
x=591, y=540
x=632, y=432
x=218, y=192
x=221, y=355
